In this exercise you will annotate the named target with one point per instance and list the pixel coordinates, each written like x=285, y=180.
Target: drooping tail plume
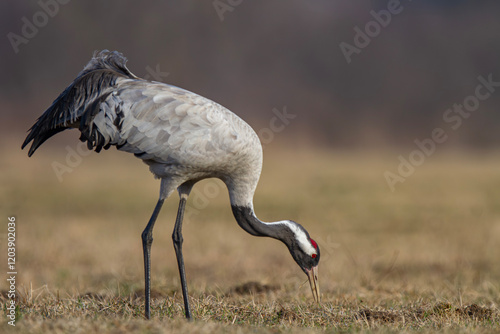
x=77, y=106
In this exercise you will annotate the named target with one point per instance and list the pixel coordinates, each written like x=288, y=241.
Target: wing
x=78, y=105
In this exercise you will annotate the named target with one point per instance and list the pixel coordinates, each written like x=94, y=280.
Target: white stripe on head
x=300, y=236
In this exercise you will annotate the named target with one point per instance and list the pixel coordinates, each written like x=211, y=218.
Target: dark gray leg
x=177, y=238
x=147, y=240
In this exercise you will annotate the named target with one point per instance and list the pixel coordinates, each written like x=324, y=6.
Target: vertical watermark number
x=11, y=270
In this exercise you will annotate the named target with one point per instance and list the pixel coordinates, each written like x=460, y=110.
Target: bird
x=183, y=138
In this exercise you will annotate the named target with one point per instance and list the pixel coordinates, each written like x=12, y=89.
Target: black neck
x=249, y=222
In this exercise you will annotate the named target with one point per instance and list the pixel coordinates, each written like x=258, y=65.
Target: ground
x=421, y=258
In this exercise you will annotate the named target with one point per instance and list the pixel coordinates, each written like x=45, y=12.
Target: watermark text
x=453, y=118
x=11, y=271
x=372, y=29
x=31, y=27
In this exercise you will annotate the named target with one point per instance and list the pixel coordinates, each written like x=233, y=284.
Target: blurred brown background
x=253, y=56
x=408, y=241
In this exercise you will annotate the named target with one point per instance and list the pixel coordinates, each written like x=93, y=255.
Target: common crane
x=183, y=137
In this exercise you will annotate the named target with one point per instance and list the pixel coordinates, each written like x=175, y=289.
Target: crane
x=183, y=138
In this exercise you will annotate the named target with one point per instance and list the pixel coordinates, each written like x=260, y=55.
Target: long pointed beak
x=312, y=275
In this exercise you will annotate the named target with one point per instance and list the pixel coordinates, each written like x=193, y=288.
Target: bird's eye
x=313, y=256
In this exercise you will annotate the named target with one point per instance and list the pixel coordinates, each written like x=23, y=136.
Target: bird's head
x=305, y=251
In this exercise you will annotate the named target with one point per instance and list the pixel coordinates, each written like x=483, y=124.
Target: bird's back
x=176, y=132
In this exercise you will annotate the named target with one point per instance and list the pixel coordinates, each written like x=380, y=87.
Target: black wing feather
x=79, y=103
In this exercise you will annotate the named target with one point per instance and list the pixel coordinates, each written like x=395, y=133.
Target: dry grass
x=422, y=258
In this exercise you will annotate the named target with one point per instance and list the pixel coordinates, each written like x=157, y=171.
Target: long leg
x=147, y=240
x=177, y=238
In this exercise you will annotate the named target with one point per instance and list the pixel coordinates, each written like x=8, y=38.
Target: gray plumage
x=179, y=134
x=182, y=136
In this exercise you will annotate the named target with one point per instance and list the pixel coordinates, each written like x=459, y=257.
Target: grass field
x=422, y=258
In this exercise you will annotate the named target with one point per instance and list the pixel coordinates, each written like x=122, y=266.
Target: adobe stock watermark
x=223, y=6
x=31, y=26
x=363, y=37
x=277, y=124
x=453, y=118
x=201, y=196
x=11, y=306
x=155, y=74
x=74, y=156
x=73, y=159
